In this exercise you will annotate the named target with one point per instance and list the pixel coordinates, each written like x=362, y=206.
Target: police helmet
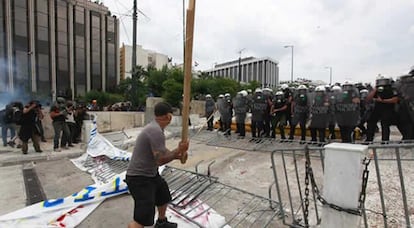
x=302, y=87
x=348, y=85
x=363, y=91
x=227, y=95
x=221, y=96
x=280, y=93
x=382, y=81
x=320, y=89
x=243, y=93
x=258, y=90
x=284, y=86
x=208, y=96
x=249, y=90
x=336, y=89
x=60, y=100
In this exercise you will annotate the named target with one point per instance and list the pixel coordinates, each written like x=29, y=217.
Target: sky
x=358, y=39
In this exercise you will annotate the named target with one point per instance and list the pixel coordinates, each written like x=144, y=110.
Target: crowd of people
x=347, y=106
x=24, y=123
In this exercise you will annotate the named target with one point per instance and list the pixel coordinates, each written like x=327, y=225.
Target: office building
x=145, y=58
x=57, y=47
x=263, y=70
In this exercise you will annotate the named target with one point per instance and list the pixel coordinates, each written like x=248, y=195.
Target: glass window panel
x=95, y=22
x=96, y=33
x=20, y=28
x=61, y=11
x=63, y=64
x=21, y=3
x=80, y=54
x=21, y=43
x=42, y=47
x=42, y=19
x=42, y=33
x=79, y=29
x=80, y=67
x=43, y=74
x=62, y=25
x=110, y=37
x=62, y=38
x=42, y=6
x=110, y=24
x=62, y=50
x=96, y=68
x=80, y=41
x=22, y=71
x=20, y=14
x=96, y=45
x=43, y=60
x=96, y=56
x=79, y=16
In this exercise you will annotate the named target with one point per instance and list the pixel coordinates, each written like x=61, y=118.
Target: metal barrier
x=387, y=198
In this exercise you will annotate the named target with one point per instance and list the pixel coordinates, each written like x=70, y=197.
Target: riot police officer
x=320, y=110
x=259, y=108
x=288, y=97
x=267, y=93
x=335, y=91
x=385, y=97
x=364, y=107
x=405, y=124
x=278, y=113
x=300, y=110
x=210, y=108
x=240, y=110
x=227, y=114
x=219, y=104
x=347, y=110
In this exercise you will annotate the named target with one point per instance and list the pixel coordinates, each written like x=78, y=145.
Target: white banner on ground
x=101, y=160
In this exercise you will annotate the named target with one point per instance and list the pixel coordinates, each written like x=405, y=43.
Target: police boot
x=25, y=147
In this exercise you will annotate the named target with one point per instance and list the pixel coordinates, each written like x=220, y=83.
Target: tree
x=155, y=80
x=133, y=88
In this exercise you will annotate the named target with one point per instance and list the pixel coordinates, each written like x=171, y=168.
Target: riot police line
x=349, y=107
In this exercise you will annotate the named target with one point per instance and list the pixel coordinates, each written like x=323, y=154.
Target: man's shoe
x=24, y=152
x=165, y=224
x=71, y=145
x=11, y=143
x=43, y=140
x=39, y=151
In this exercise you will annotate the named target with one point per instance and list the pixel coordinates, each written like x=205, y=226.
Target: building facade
x=263, y=70
x=57, y=47
x=145, y=58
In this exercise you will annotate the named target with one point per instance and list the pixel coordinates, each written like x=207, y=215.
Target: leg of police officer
x=372, y=124
x=274, y=122
x=242, y=129
x=321, y=132
x=386, y=121
x=282, y=124
x=57, y=127
x=4, y=134
x=36, y=141
x=302, y=124
x=313, y=134
x=253, y=129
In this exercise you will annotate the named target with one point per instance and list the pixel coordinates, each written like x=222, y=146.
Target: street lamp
x=330, y=74
x=240, y=52
x=291, y=71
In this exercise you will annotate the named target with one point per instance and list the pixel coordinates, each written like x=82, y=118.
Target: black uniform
x=383, y=112
x=278, y=113
x=300, y=115
x=210, y=107
x=259, y=109
x=240, y=110
x=347, y=113
x=320, y=111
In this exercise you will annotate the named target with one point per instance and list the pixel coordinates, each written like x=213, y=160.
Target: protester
x=28, y=129
x=146, y=186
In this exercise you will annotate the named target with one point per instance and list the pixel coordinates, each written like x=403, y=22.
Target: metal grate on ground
x=103, y=168
x=192, y=191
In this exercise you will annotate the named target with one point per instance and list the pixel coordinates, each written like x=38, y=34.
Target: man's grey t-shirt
x=142, y=161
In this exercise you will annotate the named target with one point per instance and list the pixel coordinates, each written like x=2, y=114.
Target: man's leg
x=4, y=134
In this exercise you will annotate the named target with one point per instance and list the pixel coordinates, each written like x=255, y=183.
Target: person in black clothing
x=278, y=113
x=29, y=129
x=58, y=114
x=385, y=97
x=300, y=111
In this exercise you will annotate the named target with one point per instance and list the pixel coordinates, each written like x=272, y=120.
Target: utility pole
x=134, y=35
x=291, y=70
x=330, y=74
x=240, y=52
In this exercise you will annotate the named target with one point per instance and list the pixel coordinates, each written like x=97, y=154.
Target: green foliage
x=102, y=98
x=173, y=91
x=155, y=80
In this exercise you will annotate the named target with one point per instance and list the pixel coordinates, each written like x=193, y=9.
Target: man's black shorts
x=147, y=192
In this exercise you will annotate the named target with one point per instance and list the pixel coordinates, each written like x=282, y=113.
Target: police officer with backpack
x=300, y=110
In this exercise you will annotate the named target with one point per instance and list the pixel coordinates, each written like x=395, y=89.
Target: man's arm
x=168, y=156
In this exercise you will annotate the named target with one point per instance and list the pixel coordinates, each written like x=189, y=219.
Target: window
x=62, y=38
x=20, y=28
x=80, y=41
x=62, y=50
x=61, y=10
x=42, y=19
x=21, y=3
x=43, y=74
x=20, y=14
x=79, y=29
x=42, y=33
x=62, y=64
x=42, y=6
x=62, y=25
x=79, y=15
x=43, y=60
